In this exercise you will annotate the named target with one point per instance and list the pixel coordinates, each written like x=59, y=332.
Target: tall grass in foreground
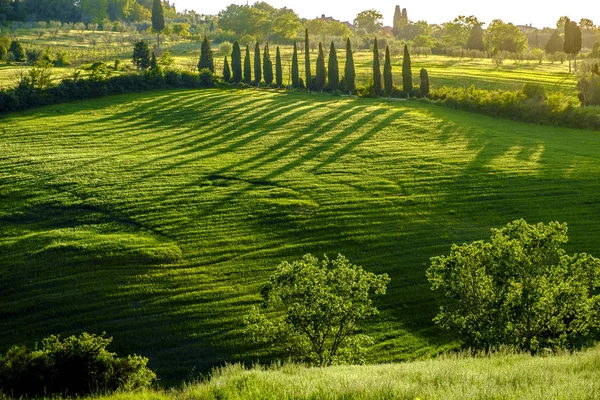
x=501, y=376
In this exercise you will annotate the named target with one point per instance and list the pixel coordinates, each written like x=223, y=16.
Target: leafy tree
x=317, y=307
x=475, y=41
x=572, y=44
x=349, y=72
x=369, y=20
x=376, y=69
x=236, y=62
x=320, y=74
x=206, y=56
x=333, y=72
x=257, y=65
x=506, y=37
x=555, y=43
x=287, y=24
x=295, y=71
x=424, y=82
x=16, y=49
x=307, y=60
x=247, y=69
x=267, y=66
x=407, y=84
x=158, y=19
x=226, y=71
x=587, y=24
x=388, y=80
x=519, y=289
x=278, y=69
x=141, y=55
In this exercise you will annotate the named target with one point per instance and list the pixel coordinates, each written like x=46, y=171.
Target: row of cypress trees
x=324, y=78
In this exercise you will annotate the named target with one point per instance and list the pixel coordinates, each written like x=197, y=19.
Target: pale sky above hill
x=519, y=12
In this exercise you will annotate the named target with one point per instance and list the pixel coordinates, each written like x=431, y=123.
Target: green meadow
x=156, y=217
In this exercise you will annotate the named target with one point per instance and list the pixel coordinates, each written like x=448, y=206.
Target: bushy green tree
x=158, y=19
x=369, y=20
x=424, y=88
x=16, y=49
x=376, y=69
x=267, y=66
x=236, y=62
x=407, y=83
x=505, y=37
x=226, y=70
x=307, y=73
x=475, y=41
x=333, y=72
x=247, y=69
x=572, y=43
x=388, y=79
x=349, y=72
x=141, y=55
x=555, y=43
x=316, y=307
x=206, y=56
x=278, y=69
x=295, y=69
x=320, y=74
x=519, y=289
x=257, y=65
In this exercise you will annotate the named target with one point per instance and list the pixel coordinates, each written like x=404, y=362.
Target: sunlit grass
x=156, y=217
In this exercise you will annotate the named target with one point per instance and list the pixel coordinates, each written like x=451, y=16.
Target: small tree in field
x=267, y=66
x=349, y=72
x=295, y=71
x=141, y=55
x=206, y=56
x=236, y=62
x=376, y=69
x=247, y=69
x=388, y=79
x=278, y=69
x=226, y=71
x=320, y=74
x=158, y=20
x=424, y=88
x=257, y=65
x=519, y=289
x=333, y=73
x=317, y=307
x=407, y=84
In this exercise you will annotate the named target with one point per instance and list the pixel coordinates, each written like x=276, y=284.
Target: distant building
x=527, y=28
x=331, y=19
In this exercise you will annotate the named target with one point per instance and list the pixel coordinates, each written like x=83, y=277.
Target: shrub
x=226, y=47
x=534, y=91
x=206, y=78
x=75, y=366
x=16, y=49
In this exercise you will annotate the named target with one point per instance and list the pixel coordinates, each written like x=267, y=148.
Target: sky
x=520, y=12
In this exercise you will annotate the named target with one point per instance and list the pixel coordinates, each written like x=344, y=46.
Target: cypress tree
x=320, y=74
x=236, y=62
x=153, y=63
x=407, y=84
x=206, y=56
x=295, y=72
x=226, y=71
x=267, y=66
x=376, y=69
x=333, y=72
x=257, y=67
x=424, y=82
x=349, y=72
x=397, y=24
x=247, y=69
x=388, y=80
x=158, y=19
x=278, y=69
x=307, y=60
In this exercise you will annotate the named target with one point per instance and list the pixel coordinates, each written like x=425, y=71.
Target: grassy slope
x=156, y=217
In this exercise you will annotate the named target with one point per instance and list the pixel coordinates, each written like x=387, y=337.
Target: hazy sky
x=519, y=12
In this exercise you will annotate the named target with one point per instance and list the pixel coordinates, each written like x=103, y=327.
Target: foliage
x=267, y=66
x=247, y=69
x=236, y=62
x=369, y=20
x=388, y=80
x=158, y=17
x=307, y=73
x=206, y=60
x=505, y=37
x=475, y=41
x=141, y=55
x=226, y=70
x=376, y=77
x=407, y=83
x=318, y=305
x=589, y=85
x=257, y=65
x=279, y=68
x=74, y=366
x=349, y=72
x=333, y=73
x=16, y=49
x=424, y=88
x=555, y=43
x=206, y=78
x=320, y=70
x=295, y=69
x=519, y=289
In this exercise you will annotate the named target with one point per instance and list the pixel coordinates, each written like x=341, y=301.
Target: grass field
x=156, y=217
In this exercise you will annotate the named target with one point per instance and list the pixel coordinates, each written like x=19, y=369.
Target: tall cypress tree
x=333, y=72
x=247, y=69
x=257, y=66
x=226, y=71
x=295, y=72
x=267, y=66
x=278, y=69
x=376, y=69
x=320, y=74
x=407, y=84
x=158, y=20
x=307, y=74
x=397, y=23
x=349, y=72
x=388, y=80
x=206, y=56
x=236, y=62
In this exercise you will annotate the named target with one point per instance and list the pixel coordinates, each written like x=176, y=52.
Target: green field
x=156, y=217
